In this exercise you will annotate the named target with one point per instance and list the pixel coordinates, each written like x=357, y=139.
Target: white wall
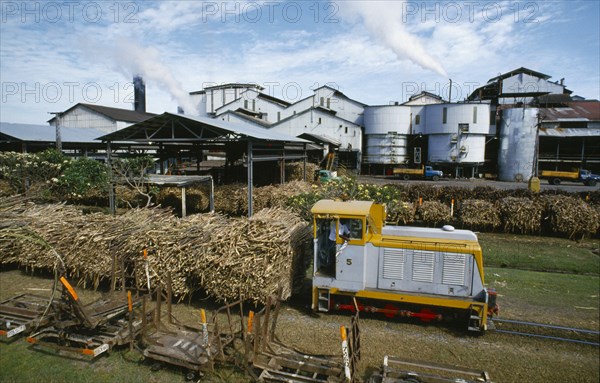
x=215, y=98
x=466, y=149
x=475, y=114
x=249, y=100
x=329, y=126
x=524, y=83
x=345, y=108
x=81, y=117
x=387, y=118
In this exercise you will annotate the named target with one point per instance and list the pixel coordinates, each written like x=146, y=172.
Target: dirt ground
x=506, y=358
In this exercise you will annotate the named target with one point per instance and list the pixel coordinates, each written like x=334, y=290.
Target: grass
x=20, y=364
x=533, y=253
x=562, y=299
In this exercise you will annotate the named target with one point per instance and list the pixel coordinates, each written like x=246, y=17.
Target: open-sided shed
x=239, y=141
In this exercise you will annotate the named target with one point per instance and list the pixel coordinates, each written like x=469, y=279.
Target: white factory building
x=537, y=115
x=495, y=132
x=327, y=113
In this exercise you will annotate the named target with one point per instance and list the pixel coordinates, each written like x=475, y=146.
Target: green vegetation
x=21, y=364
x=551, y=290
x=540, y=253
x=83, y=175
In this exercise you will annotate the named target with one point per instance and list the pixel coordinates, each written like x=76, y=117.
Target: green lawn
x=540, y=253
x=20, y=364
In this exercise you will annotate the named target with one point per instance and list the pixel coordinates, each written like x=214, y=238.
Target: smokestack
x=139, y=94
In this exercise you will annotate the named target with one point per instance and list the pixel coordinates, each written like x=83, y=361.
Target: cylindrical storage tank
x=385, y=149
x=386, y=130
x=456, y=148
x=383, y=119
x=449, y=118
x=517, y=144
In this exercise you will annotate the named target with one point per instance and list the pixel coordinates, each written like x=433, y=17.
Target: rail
x=548, y=331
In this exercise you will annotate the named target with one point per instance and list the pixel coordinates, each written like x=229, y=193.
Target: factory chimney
x=139, y=94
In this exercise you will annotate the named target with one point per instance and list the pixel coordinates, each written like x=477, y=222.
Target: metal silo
x=386, y=131
x=517, y=144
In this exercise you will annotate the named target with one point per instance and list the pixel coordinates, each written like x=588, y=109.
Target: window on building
x=319, y=120
x=444, y=115
x=278, y=116
x=253, y=104
x=474, y=114
x=322, y=101
x=328, y=103
x=417, y=119
x=346, y=130
x=245, y=104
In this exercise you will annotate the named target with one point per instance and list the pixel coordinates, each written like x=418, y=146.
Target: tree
x=134, y=173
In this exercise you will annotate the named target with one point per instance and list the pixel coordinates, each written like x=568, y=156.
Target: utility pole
x=58, y=116
x=534, y=181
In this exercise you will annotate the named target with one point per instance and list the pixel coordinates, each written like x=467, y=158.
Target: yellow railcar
x=427, y=273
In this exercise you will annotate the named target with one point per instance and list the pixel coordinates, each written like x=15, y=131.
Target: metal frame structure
x=252, y=144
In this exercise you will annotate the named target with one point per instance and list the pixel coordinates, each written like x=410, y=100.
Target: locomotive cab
x=430, y=274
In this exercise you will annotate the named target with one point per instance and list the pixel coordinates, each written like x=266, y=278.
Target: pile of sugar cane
x=228, y=258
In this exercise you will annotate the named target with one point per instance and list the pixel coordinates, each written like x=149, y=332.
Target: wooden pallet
x=22, y=313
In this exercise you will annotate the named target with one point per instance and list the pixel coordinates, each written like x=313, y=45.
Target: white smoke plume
x=146, y=61
x=384, y=19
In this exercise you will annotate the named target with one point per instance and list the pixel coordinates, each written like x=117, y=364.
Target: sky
x=54, y=54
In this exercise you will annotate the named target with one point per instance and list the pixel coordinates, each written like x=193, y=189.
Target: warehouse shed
x=240, y=142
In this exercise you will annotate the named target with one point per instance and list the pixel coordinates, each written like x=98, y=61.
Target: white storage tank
x=386, y=131
x=385, y=149
x=455, y=148
x=517, y=144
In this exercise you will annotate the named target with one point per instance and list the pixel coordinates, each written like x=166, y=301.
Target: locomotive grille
x=393, y=263
x=422, y=270
x=454, y=269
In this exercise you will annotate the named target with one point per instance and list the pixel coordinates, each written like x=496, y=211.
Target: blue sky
x=55, y=54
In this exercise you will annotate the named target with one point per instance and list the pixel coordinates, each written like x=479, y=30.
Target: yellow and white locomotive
x=427, y=273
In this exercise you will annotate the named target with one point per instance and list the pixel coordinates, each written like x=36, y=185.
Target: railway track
x=547, y=331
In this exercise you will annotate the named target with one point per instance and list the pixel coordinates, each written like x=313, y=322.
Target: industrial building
x=498, y=131
x=104, y=118
x=327, y=113
x=535, y=115
x=451, y=136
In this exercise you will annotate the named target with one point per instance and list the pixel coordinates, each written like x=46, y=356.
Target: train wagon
x=399, y=271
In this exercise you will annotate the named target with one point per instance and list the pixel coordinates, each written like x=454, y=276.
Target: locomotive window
x=354, y=226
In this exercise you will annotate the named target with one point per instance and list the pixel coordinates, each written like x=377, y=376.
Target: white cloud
x=375, y=54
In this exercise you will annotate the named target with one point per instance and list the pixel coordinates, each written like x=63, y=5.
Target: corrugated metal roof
x=179, y=127
x=569, y=132
x=45, y=133
x=518, y=71
x=117, y=114
x=588, y=110
x=320, y=139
